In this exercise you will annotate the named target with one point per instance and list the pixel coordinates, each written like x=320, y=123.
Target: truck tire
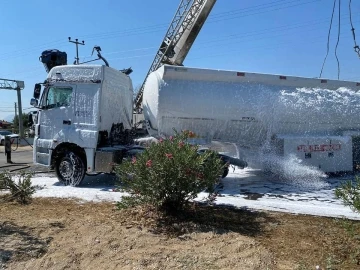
x=225, y=173
x=70, y=169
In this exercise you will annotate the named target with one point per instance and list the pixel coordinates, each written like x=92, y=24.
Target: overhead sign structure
x=7, y=84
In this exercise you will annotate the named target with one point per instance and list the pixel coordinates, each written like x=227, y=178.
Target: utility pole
x=21, y=124
x=77, y=43
x=15, y=116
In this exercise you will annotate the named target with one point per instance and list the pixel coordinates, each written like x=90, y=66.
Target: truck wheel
x=225, y=173
x=70, y=169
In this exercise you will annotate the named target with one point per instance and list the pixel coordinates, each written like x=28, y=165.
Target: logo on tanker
x=319, y=148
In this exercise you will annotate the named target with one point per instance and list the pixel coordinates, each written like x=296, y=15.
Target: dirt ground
x=65, y=234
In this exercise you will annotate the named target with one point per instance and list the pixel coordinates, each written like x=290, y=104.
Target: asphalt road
x=22, y=158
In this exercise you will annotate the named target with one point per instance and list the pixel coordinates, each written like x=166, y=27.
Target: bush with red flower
x=169, y=174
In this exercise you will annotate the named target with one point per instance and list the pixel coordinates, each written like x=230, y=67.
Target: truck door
x=57, y=112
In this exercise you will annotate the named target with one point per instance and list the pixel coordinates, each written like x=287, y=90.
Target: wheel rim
x=66, y=169
x=71, y=169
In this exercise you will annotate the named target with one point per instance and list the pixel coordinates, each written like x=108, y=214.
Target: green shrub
x=169, y=174
x=20, y=190
x=349, y=193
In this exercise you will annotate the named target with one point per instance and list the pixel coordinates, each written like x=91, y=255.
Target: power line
x=235, y=11
x=243, y=35
x=337, y=43
x=267, y=47
x=328, y=39
x=202, y=47
x=213, y=20
x=24, y=52
x=282, y=28
x=124, y=51
x=276, y=46
x=137, y=56
x=261, y=12
x=356, y=47
x=159, y=27
x=231, y=37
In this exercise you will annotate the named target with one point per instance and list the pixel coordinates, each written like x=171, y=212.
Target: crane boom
x=184, y=43
x=183, y=30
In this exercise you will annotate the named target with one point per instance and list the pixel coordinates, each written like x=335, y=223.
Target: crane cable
x=328, y=39
x=356, y=47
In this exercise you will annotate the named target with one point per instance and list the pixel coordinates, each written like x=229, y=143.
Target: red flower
x=181, y=144
x=200, y=175
x=149, y=163
x=161, y=140
x=133, y=160
x=169, y=156
x=191, y=134
x=171, y=138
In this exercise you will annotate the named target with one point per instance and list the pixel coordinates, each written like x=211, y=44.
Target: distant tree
x=25, y=118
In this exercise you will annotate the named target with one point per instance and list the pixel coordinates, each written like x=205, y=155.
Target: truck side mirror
x=34, y=102
x=37, y=90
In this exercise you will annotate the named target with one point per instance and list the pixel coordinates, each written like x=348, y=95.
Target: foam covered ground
x=248, y=188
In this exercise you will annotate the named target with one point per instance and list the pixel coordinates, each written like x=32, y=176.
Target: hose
x=17, y=145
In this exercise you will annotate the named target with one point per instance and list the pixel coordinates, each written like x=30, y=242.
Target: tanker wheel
x=70, y=169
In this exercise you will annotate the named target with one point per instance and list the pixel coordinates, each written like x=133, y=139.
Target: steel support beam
x=17, y=85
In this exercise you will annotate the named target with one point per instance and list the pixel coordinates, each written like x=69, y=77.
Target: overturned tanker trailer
x=316, y=120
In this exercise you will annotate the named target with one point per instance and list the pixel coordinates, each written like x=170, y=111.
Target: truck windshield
x=56, y=97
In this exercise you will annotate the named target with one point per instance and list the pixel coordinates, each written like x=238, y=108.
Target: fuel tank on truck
x=247, y=108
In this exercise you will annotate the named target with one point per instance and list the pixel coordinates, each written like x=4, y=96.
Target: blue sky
x=267, y=36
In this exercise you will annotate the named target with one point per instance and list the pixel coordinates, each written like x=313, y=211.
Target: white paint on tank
x=248, y=108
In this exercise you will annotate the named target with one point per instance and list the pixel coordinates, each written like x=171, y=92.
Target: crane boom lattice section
x=185, y=18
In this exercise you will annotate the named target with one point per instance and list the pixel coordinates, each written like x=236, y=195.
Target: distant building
x=5, y=124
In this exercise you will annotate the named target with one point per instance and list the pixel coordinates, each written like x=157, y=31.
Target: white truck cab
x=82, y=110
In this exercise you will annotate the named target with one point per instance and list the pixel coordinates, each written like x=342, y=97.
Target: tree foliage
x=21, y=189
x=25, y=119
x=169, y=174
x=349, y=193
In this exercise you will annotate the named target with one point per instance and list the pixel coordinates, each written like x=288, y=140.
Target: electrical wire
x=209, y=21
x=233, y=36
x=202, y=47
x=257, y=7
x=136, y=56
x=159, y=27
x=261, y=12
x=277, y=29
x=246, y=38
x=338, y=40
x=256, y=48
x=356, y=47
x=24, y=52
x=328, y=39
